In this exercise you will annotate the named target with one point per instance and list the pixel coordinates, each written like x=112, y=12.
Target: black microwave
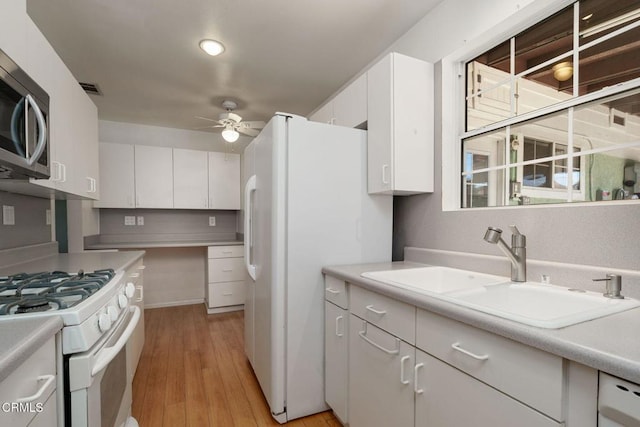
x=24, y=130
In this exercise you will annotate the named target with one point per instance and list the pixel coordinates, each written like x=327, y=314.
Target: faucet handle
x=614, y=286
x=518, y=240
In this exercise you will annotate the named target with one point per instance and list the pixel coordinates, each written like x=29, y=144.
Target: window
x=565, y=94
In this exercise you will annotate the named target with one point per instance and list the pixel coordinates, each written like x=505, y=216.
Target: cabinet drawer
x=225, y=251
x=531, y=376
x=226, y=269
x=226, y=293
x=393, y=316
x=336, y=291
x=37, y=373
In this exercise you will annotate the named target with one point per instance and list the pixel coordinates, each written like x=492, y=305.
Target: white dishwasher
x=618, y=402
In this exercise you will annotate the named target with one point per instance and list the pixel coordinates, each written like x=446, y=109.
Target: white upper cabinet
x=72, y=120
x=117, y=181
x=348, y=108
x=400, y=126
x=154, y=177
x=190, y=179
x=224, y=181
x=350, y=105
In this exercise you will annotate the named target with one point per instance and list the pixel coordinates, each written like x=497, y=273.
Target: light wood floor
x=193, y=372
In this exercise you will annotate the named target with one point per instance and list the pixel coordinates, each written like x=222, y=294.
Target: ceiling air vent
x=91, y=88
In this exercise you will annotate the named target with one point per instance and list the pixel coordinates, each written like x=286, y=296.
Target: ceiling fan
x=232, y=124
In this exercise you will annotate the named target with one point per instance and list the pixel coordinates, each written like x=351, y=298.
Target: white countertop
x=162, y=244
x=609, y=344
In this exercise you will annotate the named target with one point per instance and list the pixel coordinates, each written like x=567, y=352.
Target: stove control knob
x=112, y=311
x=129, y=290
x=122, y=301
x=104, y=322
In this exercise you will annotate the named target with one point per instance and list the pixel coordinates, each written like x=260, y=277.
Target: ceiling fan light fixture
x=229, y=134
x=212, y=47
x=563, y=71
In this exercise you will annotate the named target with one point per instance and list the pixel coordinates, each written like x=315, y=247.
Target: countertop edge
x=568, y=342
x=167, y=244
x=35, y=334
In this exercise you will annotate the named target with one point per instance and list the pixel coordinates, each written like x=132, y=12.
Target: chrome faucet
x=517, y=254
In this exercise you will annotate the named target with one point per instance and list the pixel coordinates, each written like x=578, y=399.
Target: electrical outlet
x=129, y=220
x=140, y=220
x=48, y=217
x=8, y=215
x=212, y=221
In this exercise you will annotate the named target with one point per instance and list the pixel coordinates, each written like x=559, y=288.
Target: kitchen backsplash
x=30, y=217
x=157, y=222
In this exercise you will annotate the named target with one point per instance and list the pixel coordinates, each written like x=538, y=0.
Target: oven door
x=99, y=384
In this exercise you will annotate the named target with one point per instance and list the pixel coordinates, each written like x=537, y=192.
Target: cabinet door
x=350, y=105
x=380, y=126
x=336, y=340
x=190, y=179
x=380, y=377
x=324, y=114
x=154, y=177
x=224, y=181
x=442, y=389
x=117, y=182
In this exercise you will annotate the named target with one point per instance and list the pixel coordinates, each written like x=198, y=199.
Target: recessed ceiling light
x=212, y=47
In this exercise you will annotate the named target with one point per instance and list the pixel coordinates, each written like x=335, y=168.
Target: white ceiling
x=281, y=55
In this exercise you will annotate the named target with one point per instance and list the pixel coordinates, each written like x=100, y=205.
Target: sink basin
x=536, y=304
x=541, y=305
x=437, y=280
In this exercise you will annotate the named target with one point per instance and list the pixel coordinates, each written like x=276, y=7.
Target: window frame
x=453, y=82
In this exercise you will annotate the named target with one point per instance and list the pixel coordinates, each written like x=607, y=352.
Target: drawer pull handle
x=141, y=289
x=402, y=380
x=227, y=294
x=332, y=291
x=227, y=270
x=47, y=380
x=227, y=252
x=134, y=275
x=456, y=347
x=415, y=379
x=363, y=335
x=338, y=333
x=373, y=310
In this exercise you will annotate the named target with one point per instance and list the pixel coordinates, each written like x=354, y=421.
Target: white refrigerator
x=305, y=206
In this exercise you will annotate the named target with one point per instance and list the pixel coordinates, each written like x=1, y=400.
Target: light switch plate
x=212, y=221
x=8, y=215
x=140, y=220
x=129, y=220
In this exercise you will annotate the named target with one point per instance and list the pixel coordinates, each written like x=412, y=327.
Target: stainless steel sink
x=531, y=303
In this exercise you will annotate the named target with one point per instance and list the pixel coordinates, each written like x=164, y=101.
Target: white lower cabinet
x=336, y=341
x=446, y=396
x=456, y=375
x=225, y=278
x=380, y=377
x=135, y=277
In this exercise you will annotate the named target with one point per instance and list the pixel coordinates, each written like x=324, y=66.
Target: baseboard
x=173, y=303
x=225, y=309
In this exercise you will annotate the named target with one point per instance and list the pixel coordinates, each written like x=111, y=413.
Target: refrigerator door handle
x=249, y=188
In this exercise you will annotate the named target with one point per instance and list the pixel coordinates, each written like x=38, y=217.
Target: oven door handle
x=108, y=353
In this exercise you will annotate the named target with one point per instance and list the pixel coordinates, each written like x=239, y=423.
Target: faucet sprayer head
x=492, y=235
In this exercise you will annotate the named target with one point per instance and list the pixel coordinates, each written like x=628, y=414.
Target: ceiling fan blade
x=209, y=127
x=206, y=118
x=249, y=132
x=253, y=125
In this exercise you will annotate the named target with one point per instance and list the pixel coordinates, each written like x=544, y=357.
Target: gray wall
x=30, y=227
x=606, y=236
x=169, y=222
